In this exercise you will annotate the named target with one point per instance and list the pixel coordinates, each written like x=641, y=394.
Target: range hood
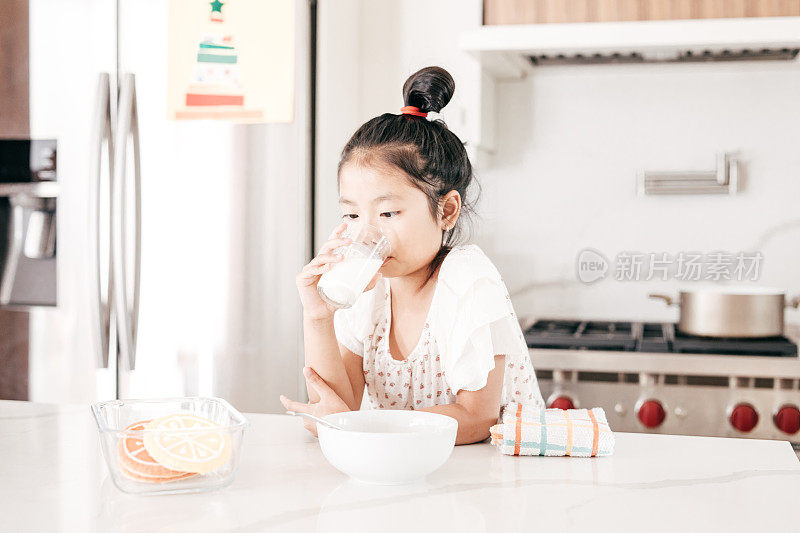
x=510, y=51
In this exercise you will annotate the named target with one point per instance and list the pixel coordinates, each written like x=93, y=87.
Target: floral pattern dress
x=420, y=380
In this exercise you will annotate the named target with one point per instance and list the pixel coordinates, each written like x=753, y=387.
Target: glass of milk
x=362, y=258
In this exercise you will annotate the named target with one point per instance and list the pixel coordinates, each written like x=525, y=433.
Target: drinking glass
x=362, y=258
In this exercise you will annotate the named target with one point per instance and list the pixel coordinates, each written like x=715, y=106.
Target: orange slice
x=153, y=479
x=187, y=443
x=137, y=464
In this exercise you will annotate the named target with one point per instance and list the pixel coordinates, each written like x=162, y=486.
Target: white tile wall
x=571, y=142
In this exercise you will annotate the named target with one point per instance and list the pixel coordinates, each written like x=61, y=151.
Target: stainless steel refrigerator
x=177, y=241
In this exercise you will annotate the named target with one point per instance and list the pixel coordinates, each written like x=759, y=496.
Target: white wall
x=570, y=141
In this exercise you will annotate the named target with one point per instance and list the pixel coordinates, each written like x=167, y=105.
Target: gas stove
x=649, y=377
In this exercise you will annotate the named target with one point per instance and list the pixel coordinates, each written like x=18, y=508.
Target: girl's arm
x=322, y=353
x=476, y=411
x=354, y=366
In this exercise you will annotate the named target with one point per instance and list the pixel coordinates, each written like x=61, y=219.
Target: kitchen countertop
x=53, y=478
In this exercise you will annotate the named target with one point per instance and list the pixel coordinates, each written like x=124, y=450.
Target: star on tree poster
x=231, y=60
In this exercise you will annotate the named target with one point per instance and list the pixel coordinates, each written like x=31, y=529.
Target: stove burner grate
x=646, y=337
x=573, y=334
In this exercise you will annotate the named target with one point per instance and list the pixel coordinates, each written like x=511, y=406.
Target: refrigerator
x=178, y=242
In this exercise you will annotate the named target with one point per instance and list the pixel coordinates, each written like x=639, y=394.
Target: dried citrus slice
x=137, y=464
x=153, y=479
x=188, y=443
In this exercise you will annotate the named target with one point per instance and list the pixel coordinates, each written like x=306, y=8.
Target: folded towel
x=530, y=430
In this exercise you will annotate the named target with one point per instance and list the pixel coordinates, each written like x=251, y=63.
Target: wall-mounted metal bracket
x=723, y=180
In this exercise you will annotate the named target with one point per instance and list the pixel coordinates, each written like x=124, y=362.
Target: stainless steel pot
x=741, y=312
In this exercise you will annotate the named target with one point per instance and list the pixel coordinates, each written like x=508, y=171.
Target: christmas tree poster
x=231, y=60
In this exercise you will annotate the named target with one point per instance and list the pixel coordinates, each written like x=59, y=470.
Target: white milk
x=345, y=282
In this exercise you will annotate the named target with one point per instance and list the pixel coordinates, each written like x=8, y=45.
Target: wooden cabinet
x=549, y=11
x=14, y=123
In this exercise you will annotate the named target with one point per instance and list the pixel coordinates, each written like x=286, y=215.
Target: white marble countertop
x=53, y=478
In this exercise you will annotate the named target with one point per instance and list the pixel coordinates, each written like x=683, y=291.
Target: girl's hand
x=328, y=403
x=315, y=307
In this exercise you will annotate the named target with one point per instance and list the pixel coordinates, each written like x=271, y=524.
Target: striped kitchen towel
x=530, y=430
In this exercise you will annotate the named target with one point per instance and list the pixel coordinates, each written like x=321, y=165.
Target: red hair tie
x=411, y=110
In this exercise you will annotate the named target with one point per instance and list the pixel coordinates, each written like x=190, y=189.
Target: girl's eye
x=351, y=217
x=390, y=214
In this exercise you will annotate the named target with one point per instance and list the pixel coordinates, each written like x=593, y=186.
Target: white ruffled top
x=470, y=320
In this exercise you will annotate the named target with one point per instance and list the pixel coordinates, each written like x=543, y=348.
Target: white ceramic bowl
x=388, y=447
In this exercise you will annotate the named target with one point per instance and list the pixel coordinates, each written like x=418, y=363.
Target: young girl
x=435, y=329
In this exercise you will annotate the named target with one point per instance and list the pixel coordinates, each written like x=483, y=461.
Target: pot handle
x=667, y=299
x=794, y=302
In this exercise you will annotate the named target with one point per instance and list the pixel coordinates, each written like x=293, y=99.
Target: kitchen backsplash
x=563, y=178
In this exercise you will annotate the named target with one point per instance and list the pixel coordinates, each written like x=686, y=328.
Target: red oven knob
x=744, y=417
x=562, y=402
x=787, y=419
x=651, y=413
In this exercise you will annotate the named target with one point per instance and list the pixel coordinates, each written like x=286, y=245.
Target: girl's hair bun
x=429, y=89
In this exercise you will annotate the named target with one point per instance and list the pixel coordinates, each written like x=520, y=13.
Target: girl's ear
x=451, y=208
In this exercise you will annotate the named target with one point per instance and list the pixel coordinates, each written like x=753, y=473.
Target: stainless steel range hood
x=509, y=51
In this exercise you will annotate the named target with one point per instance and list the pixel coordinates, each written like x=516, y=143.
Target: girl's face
x=383, y=197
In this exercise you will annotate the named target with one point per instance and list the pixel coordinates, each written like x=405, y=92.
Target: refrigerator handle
x=101, y=299
x=137, y=223
x=127, y=311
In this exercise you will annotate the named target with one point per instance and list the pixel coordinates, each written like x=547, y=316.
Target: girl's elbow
x=478, y=431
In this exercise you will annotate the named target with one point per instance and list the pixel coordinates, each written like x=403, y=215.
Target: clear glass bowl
x=113, y=417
